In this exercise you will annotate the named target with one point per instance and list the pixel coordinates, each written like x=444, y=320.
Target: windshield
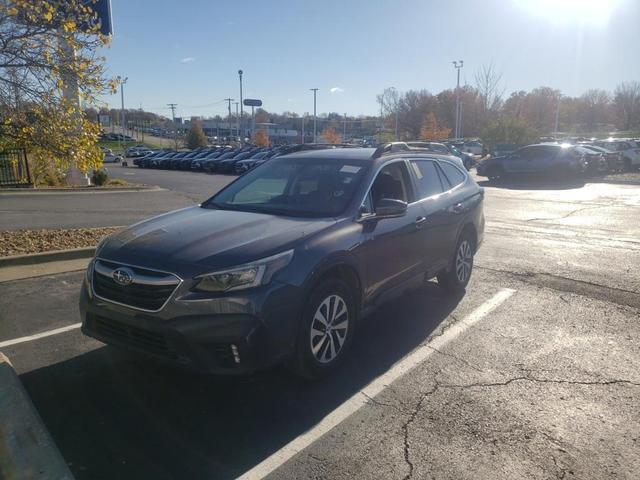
x=297, y=187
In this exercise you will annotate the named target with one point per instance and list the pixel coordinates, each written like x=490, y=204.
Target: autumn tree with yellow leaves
x=261, y=138
x=49, y=66
x=331, y=136
x=432, y=130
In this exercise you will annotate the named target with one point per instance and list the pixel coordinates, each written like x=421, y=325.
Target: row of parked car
x=579, y=158
x=218, y=158
x=228, y=159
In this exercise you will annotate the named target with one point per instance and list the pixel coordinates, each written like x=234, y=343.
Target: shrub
x=99, y=177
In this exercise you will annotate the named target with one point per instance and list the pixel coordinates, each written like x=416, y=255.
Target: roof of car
x=362, y=154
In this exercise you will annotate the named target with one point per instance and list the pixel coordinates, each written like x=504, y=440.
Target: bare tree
x=389, y=101
x=627, y=103
x=595, y=106
x=488, y=83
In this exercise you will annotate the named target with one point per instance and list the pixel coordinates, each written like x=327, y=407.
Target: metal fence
x=14, y=169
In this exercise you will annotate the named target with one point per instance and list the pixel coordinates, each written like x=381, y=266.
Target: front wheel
x=328, y=324
x=457, y=276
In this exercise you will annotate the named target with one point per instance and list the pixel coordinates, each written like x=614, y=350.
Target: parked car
x=227, y=165
x=137, y=151
x=111, y=158
x=473, y=146
x=247, y=164
x=280, y=264
x=615, y=162
x=502, y=149
x=443, y=149
x=536, y=159
x=629, y=148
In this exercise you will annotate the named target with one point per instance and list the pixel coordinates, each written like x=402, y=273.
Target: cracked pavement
x=547, y=385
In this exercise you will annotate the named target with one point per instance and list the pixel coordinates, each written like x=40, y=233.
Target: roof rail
x=389, y=148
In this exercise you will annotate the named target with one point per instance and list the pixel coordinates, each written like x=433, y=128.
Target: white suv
x=630, y=150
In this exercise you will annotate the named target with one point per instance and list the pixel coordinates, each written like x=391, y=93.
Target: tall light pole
x=458, y=67
x=241, y=106
x=122, y=82
x=315, y=118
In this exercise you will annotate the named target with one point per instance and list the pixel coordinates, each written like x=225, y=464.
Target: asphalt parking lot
x=532, y=373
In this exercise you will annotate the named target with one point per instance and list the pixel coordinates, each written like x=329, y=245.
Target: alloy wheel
x=464, y=257
x=329, y=328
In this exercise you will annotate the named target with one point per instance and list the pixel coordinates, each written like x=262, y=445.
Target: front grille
x=135, y=337
x=149, y=289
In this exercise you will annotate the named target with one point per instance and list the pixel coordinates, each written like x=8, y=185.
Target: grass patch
x=117, y=146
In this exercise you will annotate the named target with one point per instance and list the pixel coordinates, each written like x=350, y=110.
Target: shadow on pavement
x=116, y=416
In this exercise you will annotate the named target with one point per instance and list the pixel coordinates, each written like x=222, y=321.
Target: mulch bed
x=22, y=242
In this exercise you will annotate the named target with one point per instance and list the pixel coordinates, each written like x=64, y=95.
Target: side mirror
x=389, y=207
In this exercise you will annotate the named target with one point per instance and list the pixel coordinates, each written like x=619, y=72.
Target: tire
x=455, y=278
x=314, y=356
x=627, y=165
x=495, y=173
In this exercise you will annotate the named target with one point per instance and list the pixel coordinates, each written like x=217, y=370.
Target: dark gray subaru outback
x=281, y=263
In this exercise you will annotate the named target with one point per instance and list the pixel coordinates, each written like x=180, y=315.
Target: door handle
x=420, y=221
x=457, y=208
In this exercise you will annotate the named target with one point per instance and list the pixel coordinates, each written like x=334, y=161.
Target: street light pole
x=241, y=106
x=458, y=67
x=122, y=82
x=315, y=118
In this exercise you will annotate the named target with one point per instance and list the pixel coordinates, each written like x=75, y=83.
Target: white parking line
x=361, y=398
x=37, y=336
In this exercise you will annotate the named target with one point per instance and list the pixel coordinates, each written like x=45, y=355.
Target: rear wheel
x=457, y=276
x=627, y=165
x=495, y=173
x=328, y=324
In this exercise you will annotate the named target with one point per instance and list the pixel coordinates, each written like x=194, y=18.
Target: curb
x=50, y=191
x=26, y=447
x=45, y=257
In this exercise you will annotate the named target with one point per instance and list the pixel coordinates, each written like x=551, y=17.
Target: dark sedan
x=555, y=159
x=280, y=264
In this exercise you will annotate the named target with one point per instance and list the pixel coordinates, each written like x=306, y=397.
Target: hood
x=207, y=238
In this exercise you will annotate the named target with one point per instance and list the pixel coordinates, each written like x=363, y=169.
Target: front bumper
x=227, y=335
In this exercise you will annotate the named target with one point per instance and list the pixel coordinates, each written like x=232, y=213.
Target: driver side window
x=393, y=182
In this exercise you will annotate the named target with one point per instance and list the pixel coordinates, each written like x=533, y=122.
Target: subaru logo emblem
x=123, y=276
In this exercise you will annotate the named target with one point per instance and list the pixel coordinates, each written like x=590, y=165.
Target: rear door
x=432, y=223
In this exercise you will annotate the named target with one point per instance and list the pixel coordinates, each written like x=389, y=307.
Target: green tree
x=508, y=129
x=196, y=137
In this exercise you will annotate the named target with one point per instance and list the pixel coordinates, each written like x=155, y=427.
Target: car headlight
x=250, y=275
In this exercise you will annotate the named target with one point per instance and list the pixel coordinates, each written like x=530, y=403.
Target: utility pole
x=302, y=137
x=241, y=126
x=458, y=67
x=173, y=106
x=315, y=118
x=229, y=118
x=344, y=133
x=122, y=82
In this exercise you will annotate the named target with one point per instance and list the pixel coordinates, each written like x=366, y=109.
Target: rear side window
x=427, y=178
x=453, y=174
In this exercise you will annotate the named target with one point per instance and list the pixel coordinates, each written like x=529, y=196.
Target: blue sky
x=188, y=52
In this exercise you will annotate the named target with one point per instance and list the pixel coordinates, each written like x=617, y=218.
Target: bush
x=99, y=177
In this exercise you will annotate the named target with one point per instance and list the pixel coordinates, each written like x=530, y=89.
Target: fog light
x=236, y=355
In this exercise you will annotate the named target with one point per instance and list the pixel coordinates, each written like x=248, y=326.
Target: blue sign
x=102, y=10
